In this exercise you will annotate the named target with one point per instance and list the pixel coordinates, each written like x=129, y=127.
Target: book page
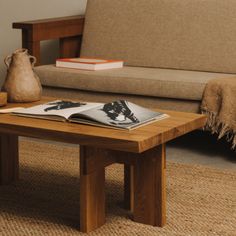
x=120, y=114
x=9, y=110
x=88, y=60
x=61, y=108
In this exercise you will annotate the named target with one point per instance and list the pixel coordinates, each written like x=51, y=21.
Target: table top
x=137, y=140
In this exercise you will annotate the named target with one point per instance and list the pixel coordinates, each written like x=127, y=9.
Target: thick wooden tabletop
x=137, y=140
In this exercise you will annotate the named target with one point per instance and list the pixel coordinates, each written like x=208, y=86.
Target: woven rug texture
x=200, y=200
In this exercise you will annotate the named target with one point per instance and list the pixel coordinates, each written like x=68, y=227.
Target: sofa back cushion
x=177, y=34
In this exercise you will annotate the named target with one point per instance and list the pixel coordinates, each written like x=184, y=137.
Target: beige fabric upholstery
x=154, y=82
x=151, y=102
x=181, y=34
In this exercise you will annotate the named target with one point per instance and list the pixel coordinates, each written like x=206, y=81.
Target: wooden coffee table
x=142, y=151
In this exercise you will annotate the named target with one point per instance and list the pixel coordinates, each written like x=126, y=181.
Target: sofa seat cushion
x=165, y=83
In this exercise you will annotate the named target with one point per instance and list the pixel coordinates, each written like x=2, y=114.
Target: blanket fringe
x=215, y=126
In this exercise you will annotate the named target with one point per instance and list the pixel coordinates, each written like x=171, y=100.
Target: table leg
x=9, y=160
x=128, y=185
x=92, y=190
x=149, y=187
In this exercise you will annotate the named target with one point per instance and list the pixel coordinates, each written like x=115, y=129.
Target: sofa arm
x=68, y=30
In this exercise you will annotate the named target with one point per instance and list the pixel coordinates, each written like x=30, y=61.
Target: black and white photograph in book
x=121, y=114
x=61, y=105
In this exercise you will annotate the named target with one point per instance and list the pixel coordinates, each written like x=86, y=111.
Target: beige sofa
x=171, y=50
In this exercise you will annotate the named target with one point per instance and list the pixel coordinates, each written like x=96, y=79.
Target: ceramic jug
x=21, y=84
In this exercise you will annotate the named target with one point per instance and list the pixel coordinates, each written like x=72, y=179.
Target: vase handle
x=33, y=60
x=7, y=61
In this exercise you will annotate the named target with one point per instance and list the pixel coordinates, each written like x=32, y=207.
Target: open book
x=119, y=114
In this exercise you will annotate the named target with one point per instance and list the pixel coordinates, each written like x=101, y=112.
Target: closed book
x=89, y=63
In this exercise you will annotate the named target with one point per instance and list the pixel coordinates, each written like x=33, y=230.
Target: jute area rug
x=200, y=200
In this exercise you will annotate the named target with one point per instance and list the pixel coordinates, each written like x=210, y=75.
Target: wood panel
x=148, y=199
x=92, y=191
x=67, y=29
x=32, y=46
x=128, y=174
x=70, y=46
x=52, y=28
x=144, y=184
x=97, y=158
x=9, y=161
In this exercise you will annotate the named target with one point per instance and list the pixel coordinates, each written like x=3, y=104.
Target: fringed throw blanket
x=219, y=104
